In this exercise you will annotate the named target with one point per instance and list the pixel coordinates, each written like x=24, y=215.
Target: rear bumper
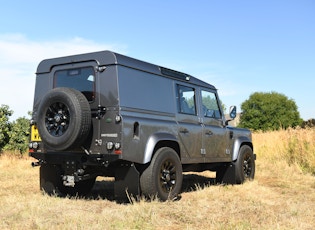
x=77, y=157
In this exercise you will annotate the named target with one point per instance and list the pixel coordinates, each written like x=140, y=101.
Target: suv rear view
x=106, y=114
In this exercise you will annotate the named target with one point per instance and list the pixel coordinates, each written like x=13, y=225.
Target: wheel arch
x=239, y=142
x=159, y=140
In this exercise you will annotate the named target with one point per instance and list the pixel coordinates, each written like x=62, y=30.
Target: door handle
x=208, y=132
x=183, y=130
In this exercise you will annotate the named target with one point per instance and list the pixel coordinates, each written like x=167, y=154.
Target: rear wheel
x=163, y=177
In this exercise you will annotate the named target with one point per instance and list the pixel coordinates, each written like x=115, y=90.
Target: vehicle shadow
x=192, y=182
x=104, y=189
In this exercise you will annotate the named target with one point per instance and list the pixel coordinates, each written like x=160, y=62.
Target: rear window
x=82, y=79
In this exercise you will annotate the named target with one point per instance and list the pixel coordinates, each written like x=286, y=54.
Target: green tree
x=5, y=125
x=269, y=111
x=19, y=135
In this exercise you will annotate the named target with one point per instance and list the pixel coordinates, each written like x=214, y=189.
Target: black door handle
x=208, y=132
x=183, y=130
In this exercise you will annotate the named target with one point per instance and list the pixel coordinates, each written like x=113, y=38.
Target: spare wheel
x=64, y=119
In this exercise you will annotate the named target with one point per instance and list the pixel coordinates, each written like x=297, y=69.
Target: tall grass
x=280, y=197
x=295, y=146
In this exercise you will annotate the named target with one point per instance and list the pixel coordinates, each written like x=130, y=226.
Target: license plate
x=35, y=134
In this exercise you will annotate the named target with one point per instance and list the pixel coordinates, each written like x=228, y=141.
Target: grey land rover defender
x=106, y=114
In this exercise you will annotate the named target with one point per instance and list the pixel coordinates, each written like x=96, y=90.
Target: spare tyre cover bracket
x=101, y=110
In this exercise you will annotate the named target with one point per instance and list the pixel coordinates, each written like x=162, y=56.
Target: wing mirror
x=232, y=114
x=233, y=111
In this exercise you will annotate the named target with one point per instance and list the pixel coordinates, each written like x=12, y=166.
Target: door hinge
x=98, y=142
x=100, y=68
x=101, y=110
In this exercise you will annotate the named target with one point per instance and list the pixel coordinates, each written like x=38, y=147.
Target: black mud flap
x=226, y=174
x=127, y=183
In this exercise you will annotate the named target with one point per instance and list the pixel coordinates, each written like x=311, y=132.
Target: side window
x=186, y=100
x=210, y=105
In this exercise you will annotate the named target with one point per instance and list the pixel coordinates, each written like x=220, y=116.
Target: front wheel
x=163, y=178
x=245, y=165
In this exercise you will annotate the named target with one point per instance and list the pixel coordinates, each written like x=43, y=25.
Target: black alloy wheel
x=168, y=175
x=57, y=119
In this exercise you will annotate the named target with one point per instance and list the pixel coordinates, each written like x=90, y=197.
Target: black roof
x=105, y=58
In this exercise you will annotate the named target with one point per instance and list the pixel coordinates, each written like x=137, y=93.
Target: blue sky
x=241, y=47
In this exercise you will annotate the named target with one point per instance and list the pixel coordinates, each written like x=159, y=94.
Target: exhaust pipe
x=34, y=164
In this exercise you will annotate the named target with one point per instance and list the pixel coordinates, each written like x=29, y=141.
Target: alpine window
x=186, y=100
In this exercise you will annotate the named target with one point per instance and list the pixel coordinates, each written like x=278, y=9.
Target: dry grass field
x=282, y=196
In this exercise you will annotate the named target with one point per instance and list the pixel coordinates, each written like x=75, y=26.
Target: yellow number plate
x=34, y=134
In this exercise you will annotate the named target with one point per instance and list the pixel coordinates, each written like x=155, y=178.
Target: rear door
x=83, y=77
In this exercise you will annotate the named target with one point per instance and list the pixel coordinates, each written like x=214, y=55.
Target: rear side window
x=186, y=100
x=82, y=79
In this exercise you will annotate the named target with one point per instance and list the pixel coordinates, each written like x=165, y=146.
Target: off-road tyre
x=64, y=119
x=245, y=165
x=163, y=177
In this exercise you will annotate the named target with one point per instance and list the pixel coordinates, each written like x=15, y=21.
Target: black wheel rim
x=57, y=119
x=248, y=166
x=167, y=176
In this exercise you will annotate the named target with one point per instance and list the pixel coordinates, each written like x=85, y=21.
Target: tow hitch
x=35, y=164
x=68, y=181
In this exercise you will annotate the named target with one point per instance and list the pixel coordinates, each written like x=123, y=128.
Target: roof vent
x=175, y=74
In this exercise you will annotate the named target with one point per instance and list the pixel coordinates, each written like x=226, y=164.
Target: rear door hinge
x=98, y=142
x=101, y=110
x=100, y=68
